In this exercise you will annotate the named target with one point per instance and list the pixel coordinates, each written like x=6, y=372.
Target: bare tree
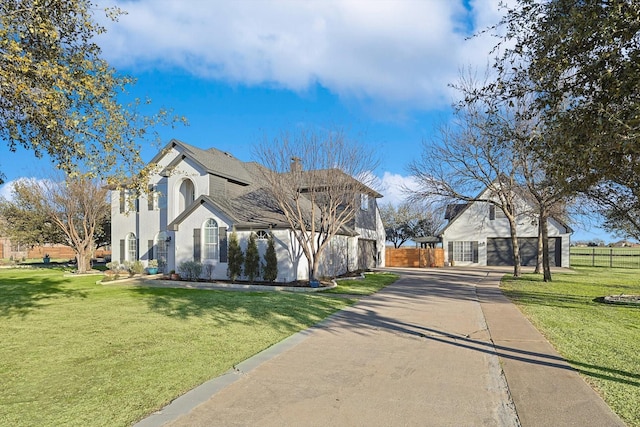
x=76, y=206
x=474, y=160
x=318, y=180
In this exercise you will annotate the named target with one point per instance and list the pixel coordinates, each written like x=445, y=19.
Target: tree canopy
x=580, y=63
x=72, y=211
x=60, y=98
x=581, y=60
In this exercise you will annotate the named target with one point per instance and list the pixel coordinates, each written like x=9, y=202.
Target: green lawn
x=373, y=283
x=601, y=341
x=77, y=353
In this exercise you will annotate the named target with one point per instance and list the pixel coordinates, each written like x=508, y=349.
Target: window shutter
x=150, y=247
x=222, y=233
x=122, y=201
x=196, y=244
x=150, y=197
x=137, y=249
x=122, y=251
x=474, y=245
x=450, y=251
x=492, y=212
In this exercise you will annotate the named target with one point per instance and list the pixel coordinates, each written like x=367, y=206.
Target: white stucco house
x=199, y=196
x=478, y=234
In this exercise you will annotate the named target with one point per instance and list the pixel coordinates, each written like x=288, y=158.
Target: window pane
x=210, y=239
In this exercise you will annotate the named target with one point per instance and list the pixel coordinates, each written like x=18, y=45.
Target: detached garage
x=500, y=251
x=478, y=233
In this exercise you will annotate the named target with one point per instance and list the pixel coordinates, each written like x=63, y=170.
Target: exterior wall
x=474, y=224
x=182, y=240
x=369, y=226
x=150, y=219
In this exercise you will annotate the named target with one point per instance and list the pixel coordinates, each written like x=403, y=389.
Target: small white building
x=478, y=234
x=199, y=196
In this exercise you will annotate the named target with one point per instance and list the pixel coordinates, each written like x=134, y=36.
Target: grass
x=77, y=353
x=372, y=284
x=600, y=340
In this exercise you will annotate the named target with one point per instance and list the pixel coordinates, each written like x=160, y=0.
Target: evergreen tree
x=270, y=267
x=252, y=260
x=236, y=257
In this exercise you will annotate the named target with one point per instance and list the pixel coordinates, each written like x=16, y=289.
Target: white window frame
x=131, y=247
x=211, y=240
x=161, y=250
x=364, y=202
x=462, y=251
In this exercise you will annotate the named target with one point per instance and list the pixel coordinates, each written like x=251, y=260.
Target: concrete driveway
x=440, y=347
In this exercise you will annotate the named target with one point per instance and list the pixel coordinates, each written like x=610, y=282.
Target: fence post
x=611, y=257
x=593, y=257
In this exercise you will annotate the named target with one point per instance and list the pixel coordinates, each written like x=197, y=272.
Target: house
x=197, y=197
x=478, y=234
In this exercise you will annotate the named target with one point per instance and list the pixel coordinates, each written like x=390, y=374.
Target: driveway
x=422, y=352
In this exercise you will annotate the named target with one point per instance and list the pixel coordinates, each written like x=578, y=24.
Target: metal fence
x=605, y=257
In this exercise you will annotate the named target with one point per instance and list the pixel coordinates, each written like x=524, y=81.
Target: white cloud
x=6, y=190
x=393, y=187
x=398, y=52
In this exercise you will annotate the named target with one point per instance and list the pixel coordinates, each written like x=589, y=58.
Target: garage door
x=500, y=251
x=366, y=254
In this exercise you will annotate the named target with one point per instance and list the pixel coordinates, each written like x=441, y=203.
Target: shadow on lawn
x=285, y=309
x=21, y=295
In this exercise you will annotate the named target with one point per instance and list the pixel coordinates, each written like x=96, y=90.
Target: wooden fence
x=414, y=257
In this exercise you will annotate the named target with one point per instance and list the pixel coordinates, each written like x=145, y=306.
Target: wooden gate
x=414, y=257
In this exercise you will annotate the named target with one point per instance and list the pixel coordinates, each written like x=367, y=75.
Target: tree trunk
x=81, y=260
x=539, y=255
x=313, y=267
x=516, y=248
x=545, y=245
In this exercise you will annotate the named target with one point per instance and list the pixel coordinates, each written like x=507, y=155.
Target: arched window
x=262, y=235
x=161, y=248
x=187, y=194
x=210, y=240
x=131, y=247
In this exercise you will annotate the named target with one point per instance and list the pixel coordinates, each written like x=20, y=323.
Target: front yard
x=77, y=353
x=601, y=341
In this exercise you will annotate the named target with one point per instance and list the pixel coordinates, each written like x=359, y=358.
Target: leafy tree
x=311, y=176
x=59, y=97
x=235, y=257
x=75, y=207
x=270, y=266
x=252, y=259
x=580, y=63
x=408, y=221
x=25, y=222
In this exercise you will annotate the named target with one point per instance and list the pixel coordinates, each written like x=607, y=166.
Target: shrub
x=190, y=270
x=236, y=258
x=136, y=267
x=270, y=266
x=252, y=259
x=208, y=270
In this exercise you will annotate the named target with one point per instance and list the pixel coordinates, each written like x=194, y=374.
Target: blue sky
x=242, y=71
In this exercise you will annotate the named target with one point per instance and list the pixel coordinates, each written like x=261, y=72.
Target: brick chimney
x=296, y=164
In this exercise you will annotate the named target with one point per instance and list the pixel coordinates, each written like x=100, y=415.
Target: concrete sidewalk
x=439, y=347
